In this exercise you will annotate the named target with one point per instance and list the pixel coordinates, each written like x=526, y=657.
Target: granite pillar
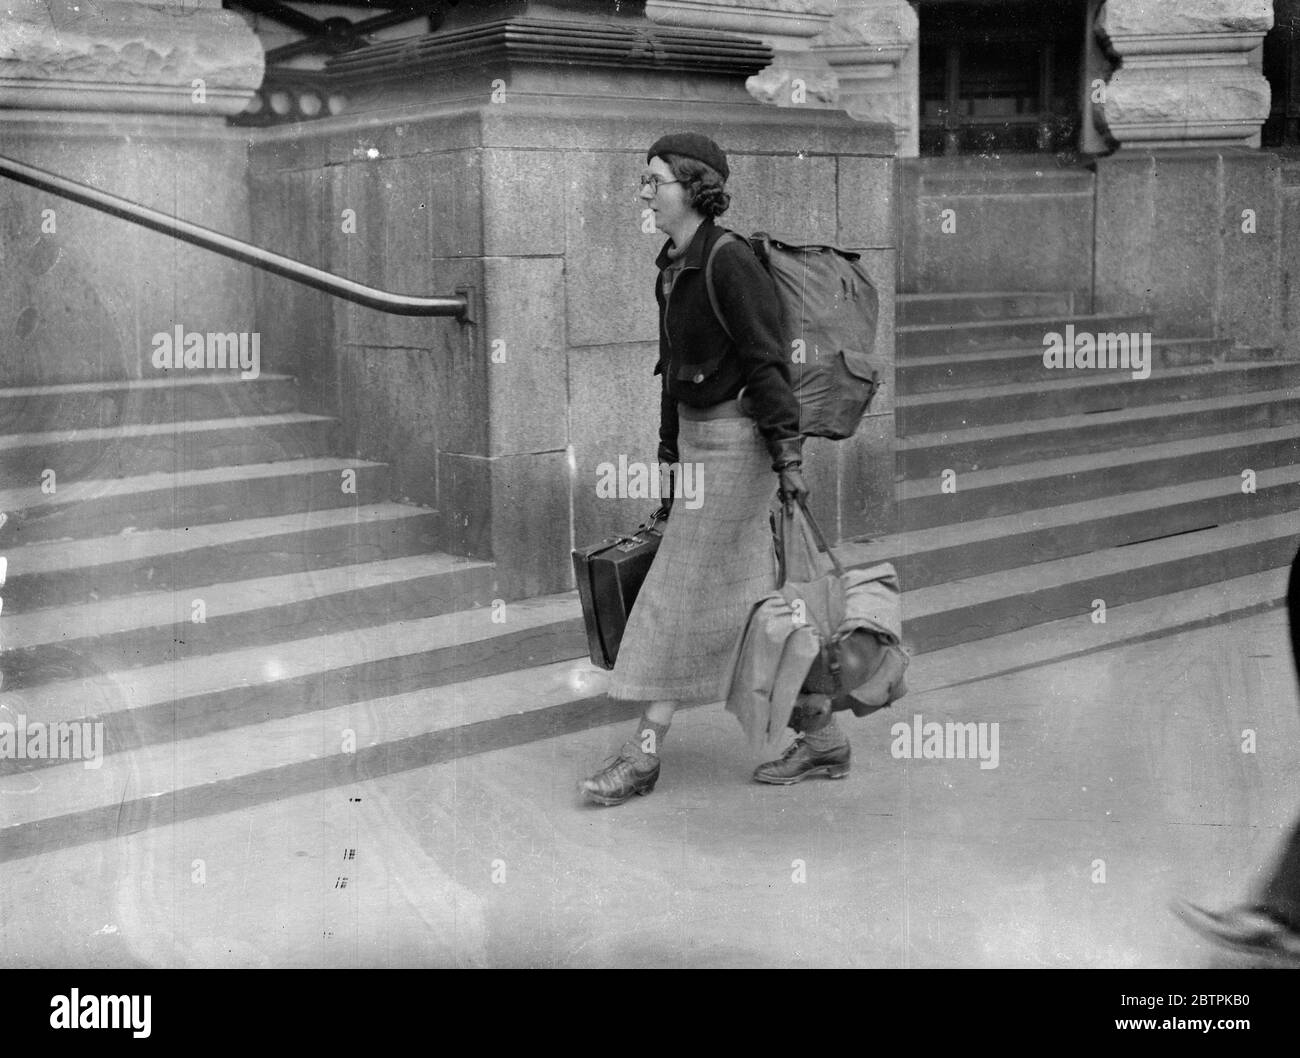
x=1189, y=72
x=872, y=46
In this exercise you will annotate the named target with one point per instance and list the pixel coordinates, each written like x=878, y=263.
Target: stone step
x=1256, y=352
x=942, y=553
x=915, y=309
x=98, y=507
x=108, y=569
x=1025, y=487
x=1083, y=392
x=234, y=769
x=98, y=405
x=186, y=699
x=945, y=614
x=143, y=448
x=156, y=628
x=922, y=374
x=1014, y=175
x=982, y=447
x=935, y=338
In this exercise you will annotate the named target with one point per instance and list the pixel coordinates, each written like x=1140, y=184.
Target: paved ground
x=1121, y=781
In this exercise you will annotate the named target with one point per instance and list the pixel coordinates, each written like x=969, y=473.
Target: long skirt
x=714, y=562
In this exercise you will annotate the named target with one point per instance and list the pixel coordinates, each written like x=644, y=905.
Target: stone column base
x=1187, y=78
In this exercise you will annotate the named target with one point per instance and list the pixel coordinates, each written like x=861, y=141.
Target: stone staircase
x=336, y=645
x=199, y=567
x=1069, y=486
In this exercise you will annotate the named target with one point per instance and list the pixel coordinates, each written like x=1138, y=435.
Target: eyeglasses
x=654, y=183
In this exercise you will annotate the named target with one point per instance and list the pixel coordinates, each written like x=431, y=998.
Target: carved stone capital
x=1185, y=18
x=868, y=45
x=1186, y=77
x=795, y=79
x=184, y=57
x=798, y=76
x=781, y=24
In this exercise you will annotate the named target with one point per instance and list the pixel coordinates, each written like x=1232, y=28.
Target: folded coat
x=776, y=651
x=767, y=669
x=872, y=601
x=872, y=604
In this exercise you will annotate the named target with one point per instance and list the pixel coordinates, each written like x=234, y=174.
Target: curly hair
x=702, y=184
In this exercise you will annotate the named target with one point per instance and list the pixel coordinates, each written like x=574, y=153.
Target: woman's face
x=672, y=211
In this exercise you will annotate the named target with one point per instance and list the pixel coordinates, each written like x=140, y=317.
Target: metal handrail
x=456, y=305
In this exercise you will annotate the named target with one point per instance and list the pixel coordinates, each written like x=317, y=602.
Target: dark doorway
x=1001, y=76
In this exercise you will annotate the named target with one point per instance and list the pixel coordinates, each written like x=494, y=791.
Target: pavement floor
x=1124, y=777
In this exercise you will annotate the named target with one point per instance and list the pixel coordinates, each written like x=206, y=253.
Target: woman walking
x=716, y=560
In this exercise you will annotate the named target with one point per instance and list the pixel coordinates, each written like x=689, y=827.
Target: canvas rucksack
x=829, y=305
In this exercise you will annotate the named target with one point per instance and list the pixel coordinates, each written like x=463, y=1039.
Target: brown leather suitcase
x=609, y=577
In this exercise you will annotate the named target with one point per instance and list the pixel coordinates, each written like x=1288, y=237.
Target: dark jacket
x=702, y=366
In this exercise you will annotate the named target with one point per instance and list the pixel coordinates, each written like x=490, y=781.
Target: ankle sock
x=649, y=738
x=824, y=734
x=811, y=711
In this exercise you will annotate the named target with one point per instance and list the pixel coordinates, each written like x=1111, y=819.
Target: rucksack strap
x=778, y=519
x=708, y=278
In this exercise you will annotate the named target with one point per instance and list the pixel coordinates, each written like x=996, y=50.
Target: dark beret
x=691, y=145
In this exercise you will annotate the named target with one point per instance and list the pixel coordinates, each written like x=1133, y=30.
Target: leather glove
x=787, y=461
x=666, y=457
x=792, y=489
x=786, y=450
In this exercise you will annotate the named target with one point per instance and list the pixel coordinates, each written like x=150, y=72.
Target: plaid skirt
x=713, y=564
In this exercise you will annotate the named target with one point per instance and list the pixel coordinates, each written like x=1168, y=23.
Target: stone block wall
x=1017, y=222
x=128, y=97
x=84, y=292
x=1289, y=279
x=1198, y=239
x=502, y=426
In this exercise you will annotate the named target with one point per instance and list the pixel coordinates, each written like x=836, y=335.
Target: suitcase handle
x=652, y=525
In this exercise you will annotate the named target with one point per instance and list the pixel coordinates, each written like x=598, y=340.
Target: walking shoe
x=799, y=762
x=631, y=772
x=1248, y=929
